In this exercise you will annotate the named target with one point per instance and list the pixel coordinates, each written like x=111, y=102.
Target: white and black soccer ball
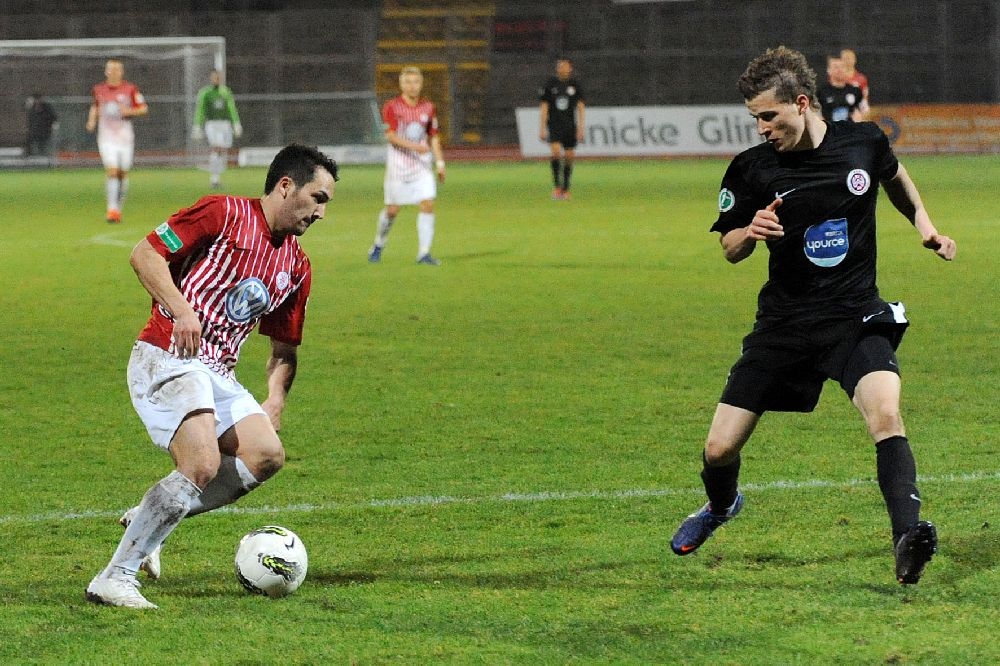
x=272, y=561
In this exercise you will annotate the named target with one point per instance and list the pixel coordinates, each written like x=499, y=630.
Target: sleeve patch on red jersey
x=169, y=238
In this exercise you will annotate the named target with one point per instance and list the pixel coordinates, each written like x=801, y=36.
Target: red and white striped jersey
x=414, y=123
x=111, y=100
x=223, y=259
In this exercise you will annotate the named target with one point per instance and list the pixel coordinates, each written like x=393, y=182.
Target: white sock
x=232, y=482
x=216, y=165
x=112, y=187
x=161, y=509
x=425, y=233
x=122, y=192
x=384, y=225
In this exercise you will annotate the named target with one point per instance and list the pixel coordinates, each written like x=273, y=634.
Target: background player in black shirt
x=561, y=109
x=839, y=99
x=809, y=193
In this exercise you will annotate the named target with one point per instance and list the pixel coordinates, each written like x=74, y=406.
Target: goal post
x=168, y=70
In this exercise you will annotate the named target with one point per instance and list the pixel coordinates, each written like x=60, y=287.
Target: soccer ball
x=271, y=561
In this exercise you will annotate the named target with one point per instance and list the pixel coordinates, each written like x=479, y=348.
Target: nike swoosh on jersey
x=782, y=195
x=866, y=318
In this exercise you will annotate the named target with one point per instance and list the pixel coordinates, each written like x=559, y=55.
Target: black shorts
x=562, y=134
x=783, y=368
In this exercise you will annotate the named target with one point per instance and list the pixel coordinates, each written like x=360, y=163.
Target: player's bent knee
x=268, y=461
x=719, y=453
x=259, y=447
x=200, y=472
x=885, y=425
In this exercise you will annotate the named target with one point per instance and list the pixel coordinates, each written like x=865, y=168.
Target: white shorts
x=165, y=389
x=116, y=154
x=403, y=193
x=219, y=133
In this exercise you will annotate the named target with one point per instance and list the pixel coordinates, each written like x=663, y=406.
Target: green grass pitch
x=486, y=460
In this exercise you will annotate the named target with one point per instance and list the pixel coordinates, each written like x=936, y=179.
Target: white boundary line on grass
x=542, y=496
x=110, y=238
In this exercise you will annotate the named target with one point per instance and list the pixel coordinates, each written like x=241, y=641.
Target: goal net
x=168, y=70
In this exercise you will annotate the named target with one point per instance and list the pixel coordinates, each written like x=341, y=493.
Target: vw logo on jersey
x=826, y=243
x=111, y=110
x=414, y=132
x=726, y=200
x=247, y=300
x=282, y=279
x=562, y=102
x=858, y=181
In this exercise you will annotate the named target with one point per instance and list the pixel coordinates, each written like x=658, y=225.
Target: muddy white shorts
x=165, y=389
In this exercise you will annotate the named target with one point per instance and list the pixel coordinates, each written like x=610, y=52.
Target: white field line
x=507, y=498
x=110, y=238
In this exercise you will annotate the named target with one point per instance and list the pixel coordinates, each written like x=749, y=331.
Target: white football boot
x=117, y=591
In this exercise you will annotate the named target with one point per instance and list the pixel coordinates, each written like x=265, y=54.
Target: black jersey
x=824, y=265
x=838, y=103
x=561, y=98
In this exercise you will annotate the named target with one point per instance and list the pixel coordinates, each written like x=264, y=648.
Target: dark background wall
x=635, y=53
x=692, y=52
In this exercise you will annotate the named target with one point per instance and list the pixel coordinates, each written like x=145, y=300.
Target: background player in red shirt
x=215, y=270
x=116, y=102
x=414, y=155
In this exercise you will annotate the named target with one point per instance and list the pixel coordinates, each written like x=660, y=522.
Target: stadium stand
x=484, y=59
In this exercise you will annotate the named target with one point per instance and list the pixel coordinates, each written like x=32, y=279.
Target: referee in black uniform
x=561, y=110
x=808, y=193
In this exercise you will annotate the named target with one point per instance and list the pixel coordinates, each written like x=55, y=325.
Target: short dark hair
x=785, y=70
x=299, y=163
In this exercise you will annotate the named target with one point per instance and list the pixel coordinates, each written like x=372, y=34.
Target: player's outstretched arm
x=281, y=369
x=92, y=118
x=904, y=196
x=136, y=111
x=438, y=157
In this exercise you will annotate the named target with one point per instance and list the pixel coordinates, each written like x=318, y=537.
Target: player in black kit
x=561, y=110
x=808, y=193
x=839, y=99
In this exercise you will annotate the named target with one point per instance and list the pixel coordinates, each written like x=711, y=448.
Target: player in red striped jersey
x=414, y=155
x=215, y=270
x=116, y=102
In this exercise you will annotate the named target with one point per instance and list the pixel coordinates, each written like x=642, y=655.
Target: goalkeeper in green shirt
x=217, y=121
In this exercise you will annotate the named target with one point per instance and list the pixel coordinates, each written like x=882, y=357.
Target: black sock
x=721, y=484
x=897, y=479
x=567, y=172
x=555, y=171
